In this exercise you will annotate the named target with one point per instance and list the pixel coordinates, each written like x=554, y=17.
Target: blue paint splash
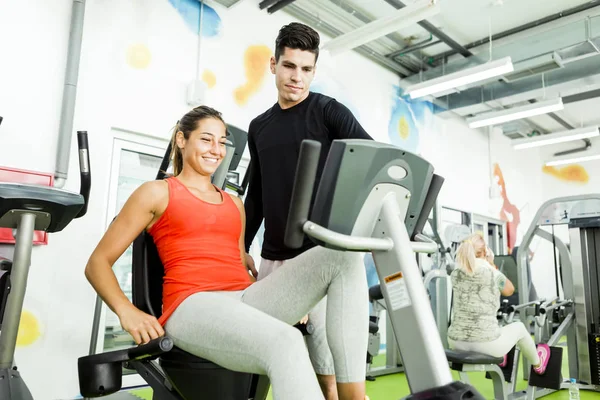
x=331, y=88
x=418, y=115
x=189, y=10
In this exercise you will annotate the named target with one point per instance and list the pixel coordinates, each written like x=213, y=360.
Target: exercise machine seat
x=471, y=357
x=373, y=327
x=375, y=293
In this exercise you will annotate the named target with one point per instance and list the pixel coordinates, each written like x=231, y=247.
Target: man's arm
x=253, y=203
x=341, y=122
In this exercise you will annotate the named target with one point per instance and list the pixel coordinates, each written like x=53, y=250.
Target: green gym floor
x=394, y=387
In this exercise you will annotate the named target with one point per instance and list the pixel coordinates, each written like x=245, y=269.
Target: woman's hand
x=141, y=326
x=489, y=255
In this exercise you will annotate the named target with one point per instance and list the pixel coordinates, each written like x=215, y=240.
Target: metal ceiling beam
x=574, y=98
x=428, y=26
x=394, y=37
x=278, y=6
x=266, y=3
x=550, y=18
x=329, y=30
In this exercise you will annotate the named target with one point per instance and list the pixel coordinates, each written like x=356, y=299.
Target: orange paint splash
x=509, y=212
x=570, y=173
x=256, y=64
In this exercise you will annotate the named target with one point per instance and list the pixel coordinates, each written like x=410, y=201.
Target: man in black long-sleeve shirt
x=274, y=139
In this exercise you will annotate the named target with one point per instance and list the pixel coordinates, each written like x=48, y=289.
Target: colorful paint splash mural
x=570, y=173
x=509, y=212
x=329, y=86
x=209, y=78
x=138, y=56
x=409, y=119
x=29, y=329
x=189, y=10
x=256, y=67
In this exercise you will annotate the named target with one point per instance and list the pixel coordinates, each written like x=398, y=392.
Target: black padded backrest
x=147, y=274
x=508, y=266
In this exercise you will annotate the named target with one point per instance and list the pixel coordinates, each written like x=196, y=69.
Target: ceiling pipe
x=266, y=3
x=363, y=50
x=279, y=6
x=550, y=18
x=67, y=112
x=412, y=48
x=428, y=26
x=394, y=37
x=587, y=145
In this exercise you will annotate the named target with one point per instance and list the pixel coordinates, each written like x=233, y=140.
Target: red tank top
x=198, y=244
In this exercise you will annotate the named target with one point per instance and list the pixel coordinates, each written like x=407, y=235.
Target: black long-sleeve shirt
x=274, y=139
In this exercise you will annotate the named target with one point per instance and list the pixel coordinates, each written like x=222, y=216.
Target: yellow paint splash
x=256, y=63
x=29, y=329
x=209, y=78
x=403, y=128
x=138, y=56
x=570, y=173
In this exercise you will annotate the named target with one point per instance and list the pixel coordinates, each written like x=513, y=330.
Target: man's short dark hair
x=297, y=36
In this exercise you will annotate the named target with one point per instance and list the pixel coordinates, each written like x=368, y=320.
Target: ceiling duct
x=534, y=66
x=531, y=55
x=548, y=59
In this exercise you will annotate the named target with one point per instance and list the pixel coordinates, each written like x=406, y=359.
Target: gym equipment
x=397, y=187
x=443, y=264
x=578, y=271
x=393, y=359
x=178, y=375
x=360, y=209
x=26, y=208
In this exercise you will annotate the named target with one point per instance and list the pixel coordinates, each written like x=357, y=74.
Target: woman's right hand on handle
x=141, y=326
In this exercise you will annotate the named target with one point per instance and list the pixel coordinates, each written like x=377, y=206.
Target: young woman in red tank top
x=212, y=306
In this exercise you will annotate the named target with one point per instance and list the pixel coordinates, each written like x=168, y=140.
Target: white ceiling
x=449, y=37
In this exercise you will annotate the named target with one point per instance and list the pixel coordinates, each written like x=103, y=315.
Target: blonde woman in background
x=477, y=286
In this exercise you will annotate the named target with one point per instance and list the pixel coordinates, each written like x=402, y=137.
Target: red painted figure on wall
x=509, y=213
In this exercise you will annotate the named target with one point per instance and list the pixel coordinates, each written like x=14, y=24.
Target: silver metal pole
x=421, y=347
x=18, y=277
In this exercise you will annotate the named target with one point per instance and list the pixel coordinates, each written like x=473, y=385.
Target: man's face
x=294, y=73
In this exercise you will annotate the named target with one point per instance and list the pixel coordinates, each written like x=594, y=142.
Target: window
x=133, y=163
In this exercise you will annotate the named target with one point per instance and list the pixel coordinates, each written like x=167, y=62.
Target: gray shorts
x=318, y=348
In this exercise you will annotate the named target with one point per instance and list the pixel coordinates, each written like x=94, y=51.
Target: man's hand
x=304, y=320
x=141, y=326
x=250, y=265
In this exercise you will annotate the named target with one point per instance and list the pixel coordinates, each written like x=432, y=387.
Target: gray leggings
x=250, y=330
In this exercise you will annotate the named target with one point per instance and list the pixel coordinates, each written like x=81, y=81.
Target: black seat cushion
x=471, y=357
x=178, y=355
x=375, y=293
x=373, y=327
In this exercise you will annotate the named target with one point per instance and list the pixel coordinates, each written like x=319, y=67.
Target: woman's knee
x=282, y=346
x=284, y=338
x=520, y=329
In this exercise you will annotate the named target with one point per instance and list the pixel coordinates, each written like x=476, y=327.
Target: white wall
x=112, y=94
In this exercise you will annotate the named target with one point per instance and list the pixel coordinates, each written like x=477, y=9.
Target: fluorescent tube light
x=461, y=78
x=512, y=114
x=572, y=159
x=554, y=138
x=397, y=20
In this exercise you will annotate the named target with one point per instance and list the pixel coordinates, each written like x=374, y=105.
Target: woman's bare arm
x=138, y=213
